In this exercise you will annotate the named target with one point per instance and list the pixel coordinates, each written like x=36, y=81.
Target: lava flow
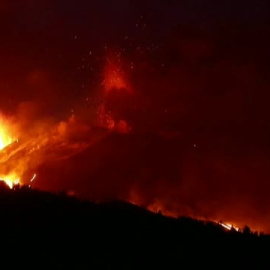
x=21, y=155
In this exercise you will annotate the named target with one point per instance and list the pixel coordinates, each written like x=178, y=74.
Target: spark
x=33, y=178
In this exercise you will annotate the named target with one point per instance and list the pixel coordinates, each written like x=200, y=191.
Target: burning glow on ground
x=10, y=179
x=227, y=226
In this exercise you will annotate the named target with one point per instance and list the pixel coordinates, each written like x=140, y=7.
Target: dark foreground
x=45, y=231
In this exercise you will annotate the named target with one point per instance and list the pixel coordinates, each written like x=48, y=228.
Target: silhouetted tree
x=246, y=230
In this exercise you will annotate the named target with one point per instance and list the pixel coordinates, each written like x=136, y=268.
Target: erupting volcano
x=116, y=155
x=24, y=151
x=154, y=106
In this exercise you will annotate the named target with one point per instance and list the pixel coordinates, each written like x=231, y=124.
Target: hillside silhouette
x=42, y=230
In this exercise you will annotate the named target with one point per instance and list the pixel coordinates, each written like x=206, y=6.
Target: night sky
x=195, y=98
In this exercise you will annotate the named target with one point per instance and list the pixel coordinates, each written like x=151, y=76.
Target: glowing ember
x=33, y=178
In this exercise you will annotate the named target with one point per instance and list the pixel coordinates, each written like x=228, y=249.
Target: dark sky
x=200, y=75
x=55, y=37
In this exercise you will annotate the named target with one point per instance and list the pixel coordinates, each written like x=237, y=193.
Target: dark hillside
x=45, y=230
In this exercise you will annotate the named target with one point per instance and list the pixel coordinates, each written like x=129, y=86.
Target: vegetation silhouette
x=57, y=231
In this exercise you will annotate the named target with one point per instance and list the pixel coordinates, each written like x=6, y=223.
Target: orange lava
x=6, y=136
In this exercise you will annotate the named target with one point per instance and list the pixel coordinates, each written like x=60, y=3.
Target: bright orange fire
x=6, y=139
x=5, y=133
x=10, y=179
x=44, y=141
x=227, y=226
